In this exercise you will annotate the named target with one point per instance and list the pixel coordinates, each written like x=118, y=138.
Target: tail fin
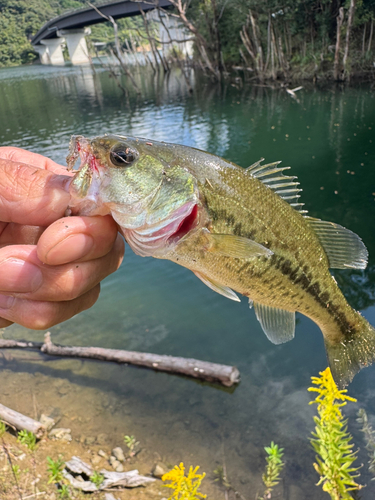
x=348, y=357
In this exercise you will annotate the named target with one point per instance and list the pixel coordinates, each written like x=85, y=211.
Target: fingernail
x=19, y=276
x=72, y=248
x=6, y=301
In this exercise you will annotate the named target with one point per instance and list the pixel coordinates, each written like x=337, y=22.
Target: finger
x=24, y=276
x=34, y=159
x=4, y=323
x=18, y=234
x=39, y=315
x=77, y=239
x=31, y=196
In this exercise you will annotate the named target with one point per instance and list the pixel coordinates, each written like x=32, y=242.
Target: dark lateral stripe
x=298, y=277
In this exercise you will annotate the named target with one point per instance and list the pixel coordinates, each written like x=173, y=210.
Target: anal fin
x=217, y=287
x=277, y=324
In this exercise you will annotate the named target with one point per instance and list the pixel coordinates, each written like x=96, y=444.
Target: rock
x=102, y=438
x=90, y=440
x=114, y=462
x=118, y=454
x=61, y=433
x=103, y=454
x=159, y=470
x=47, y=422
x=96, y=460
x=119, y=468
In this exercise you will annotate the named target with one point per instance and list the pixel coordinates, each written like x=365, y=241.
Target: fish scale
x=239, y=230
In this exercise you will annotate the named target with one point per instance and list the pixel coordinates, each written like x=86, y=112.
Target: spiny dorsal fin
x=216, y=287
x=272, y=176
x=277, y=324
x=344, y=248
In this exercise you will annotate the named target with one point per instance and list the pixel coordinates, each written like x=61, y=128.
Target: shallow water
x=149, y=305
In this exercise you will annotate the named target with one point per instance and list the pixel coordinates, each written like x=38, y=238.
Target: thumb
x=31, y=195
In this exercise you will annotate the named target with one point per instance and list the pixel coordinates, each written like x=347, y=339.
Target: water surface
x=327, y=136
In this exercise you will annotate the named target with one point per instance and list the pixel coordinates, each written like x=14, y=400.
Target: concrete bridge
x=73, y=26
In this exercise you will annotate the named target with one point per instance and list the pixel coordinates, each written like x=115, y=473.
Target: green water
x=328, y=138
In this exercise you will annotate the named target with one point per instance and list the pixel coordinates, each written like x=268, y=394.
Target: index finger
x=34, y=159
x=30, y=195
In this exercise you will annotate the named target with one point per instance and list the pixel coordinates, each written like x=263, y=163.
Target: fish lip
x=80, y=147
x=75, y=148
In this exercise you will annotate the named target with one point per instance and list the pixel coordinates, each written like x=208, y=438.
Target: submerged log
x=21, y=422
x=212, y=372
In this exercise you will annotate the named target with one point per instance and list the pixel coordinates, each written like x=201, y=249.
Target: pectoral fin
x=216, y=287
x=277, y=324
x=235, y=246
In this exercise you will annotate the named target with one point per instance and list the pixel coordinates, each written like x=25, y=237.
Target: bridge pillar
x=50, y=52
x=77, y=46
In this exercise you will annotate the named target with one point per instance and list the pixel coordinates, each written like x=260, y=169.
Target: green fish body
x=239, y=230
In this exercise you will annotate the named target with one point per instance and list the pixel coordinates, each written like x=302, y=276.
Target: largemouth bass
x=238, y=229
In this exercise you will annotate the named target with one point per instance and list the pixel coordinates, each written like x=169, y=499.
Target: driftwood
x=212, y=372
x=130, y=479
x=21, y=422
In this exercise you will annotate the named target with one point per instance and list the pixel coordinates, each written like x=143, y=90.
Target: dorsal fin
x=344, y=248
x=284, y=185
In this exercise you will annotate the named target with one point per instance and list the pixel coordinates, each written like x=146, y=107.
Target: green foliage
x=19, y=22
x=28, y=439
x=332, y=441
x=55, y=468
x=64, y=492
x=369, y=437
x=184, y=487
x=97, y=479
x=304, y=29
x=221, y=477
x=271, y=476
x=131, y=443
x=16, y=471
x=3, y=428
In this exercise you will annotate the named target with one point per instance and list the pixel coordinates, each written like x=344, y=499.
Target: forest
x=270, y=39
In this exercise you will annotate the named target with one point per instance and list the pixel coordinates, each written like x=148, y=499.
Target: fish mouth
x=186, y=225
x=80, y=147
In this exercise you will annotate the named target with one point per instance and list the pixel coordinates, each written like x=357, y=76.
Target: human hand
x=50, y=265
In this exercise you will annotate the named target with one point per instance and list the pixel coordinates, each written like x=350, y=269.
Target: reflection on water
x=328, y=139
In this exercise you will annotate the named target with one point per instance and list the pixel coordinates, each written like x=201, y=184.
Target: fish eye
x=122, y=157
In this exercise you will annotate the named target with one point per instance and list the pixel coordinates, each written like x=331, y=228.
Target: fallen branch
x=112, y=480
x=21, y=422
x=212, y=372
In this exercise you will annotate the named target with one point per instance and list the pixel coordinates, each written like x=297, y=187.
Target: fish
x=239, y=230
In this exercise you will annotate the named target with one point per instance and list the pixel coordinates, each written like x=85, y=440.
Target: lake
x=327, y=137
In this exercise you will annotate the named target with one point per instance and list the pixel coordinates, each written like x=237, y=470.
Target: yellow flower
x=185, y=487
